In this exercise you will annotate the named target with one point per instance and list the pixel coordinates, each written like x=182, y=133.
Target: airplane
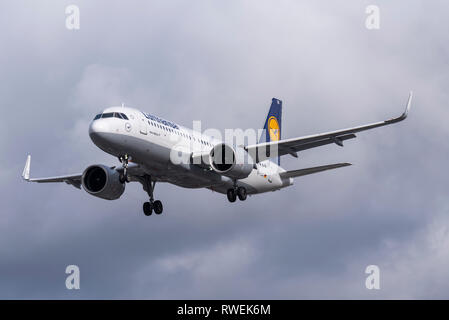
x=144, y=145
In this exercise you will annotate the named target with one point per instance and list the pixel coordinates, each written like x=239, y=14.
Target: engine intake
x=234, y=163
x=102, y=182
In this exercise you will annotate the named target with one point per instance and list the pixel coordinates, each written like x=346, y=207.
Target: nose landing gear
x=148, y=207
x=124, y=176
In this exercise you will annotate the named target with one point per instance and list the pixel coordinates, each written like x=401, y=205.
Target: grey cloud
x=222, y=62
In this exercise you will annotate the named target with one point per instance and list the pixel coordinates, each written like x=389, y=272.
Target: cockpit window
x=107, y=115
x=111, y=115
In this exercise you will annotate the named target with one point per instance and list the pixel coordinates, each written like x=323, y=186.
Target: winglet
x=405, y=114
x=26, y=170
x=409, y=103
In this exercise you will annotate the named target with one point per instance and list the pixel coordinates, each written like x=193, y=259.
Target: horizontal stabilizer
x=306, y=171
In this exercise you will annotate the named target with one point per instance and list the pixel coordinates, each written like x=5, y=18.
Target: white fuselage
x=153, y=142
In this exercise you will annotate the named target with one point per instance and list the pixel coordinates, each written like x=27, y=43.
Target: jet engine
x=230, y=162
x=102, y=182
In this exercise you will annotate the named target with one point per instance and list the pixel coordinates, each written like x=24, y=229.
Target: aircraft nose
x=98, y=126
x=97, y=130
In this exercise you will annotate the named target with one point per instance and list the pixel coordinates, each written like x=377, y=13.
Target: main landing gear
x=148, y=207
x=235, y=192
x=148, y=183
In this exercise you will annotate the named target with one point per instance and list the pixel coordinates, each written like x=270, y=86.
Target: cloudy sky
x=222, y=62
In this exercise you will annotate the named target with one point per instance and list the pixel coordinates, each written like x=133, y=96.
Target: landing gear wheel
x=158, y=208
x=147, y=209
x=231, y=195
x=241, y=193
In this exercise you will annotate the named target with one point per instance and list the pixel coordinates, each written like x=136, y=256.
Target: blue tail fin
x=273, y=123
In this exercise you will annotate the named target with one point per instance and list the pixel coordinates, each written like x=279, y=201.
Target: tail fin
x=273, y=123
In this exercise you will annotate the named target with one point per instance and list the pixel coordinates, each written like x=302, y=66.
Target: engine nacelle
x=230, y=162
x=102, y=182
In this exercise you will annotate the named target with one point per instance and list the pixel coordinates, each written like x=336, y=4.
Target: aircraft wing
x=306, y=171
x=72, y=179
x=263, y=151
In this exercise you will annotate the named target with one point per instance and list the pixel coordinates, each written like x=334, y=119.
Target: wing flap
x=73, y=179
x=300, y=146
